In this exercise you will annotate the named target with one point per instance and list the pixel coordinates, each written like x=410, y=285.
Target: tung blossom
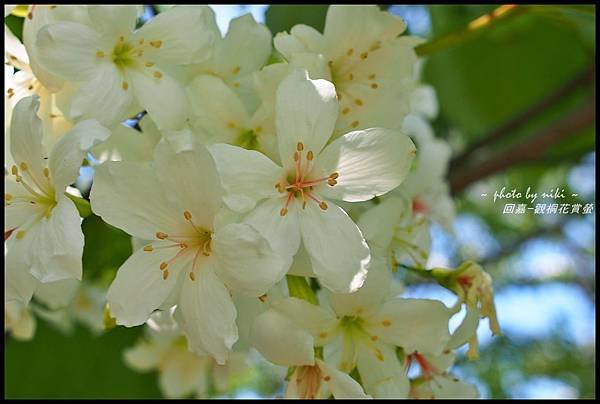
x=42, y=226
x=362, y=53
x=294, y=202
x=116, y=65
x=361, y=330
x=194, y=257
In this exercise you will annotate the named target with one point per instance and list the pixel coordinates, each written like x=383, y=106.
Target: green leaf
x=105, y=249
x=485, y=81
x=279, y=17
x=81, y=365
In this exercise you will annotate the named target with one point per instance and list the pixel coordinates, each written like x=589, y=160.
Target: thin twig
x=584, y=78
x=528, y=150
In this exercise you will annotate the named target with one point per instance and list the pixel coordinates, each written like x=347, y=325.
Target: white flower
x=361, y=52
x=24, y=83
x=321, y=380
x=434, y=381
x=42, y=225
x=116, y=65
x=235, y=57
x=224, y=117
x=394, y=233
x=361, y=331
x=195, y=256
x=18, y=320
x=128, y=144
x=474, y=288
x=294, y=202
x=181, y=372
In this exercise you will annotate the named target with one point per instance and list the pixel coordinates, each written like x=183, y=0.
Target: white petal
x=378, y=224
x=369, y=297
x=246, y=262
x=67, y=155
x=302, y=38
x=452, y=388
x=370, y=163
x=358, y=27
x=58, y=294
x=248, y=176
x=114, y=20
x=126, y=143
x=319, y=322
x=382, y=378
x=144, y=355
x=103, y=97
x=57, y=244
x=184, y=32
x=208, y=315
x=222, y=115
x=245, y=48
x=466, y=329
x=283, y=232
x=273, y=334
x=140, y=286
x=68, y=50
x=129, y=196
x=188, y=175
x=183, y=372
x=18, y=212
x=340, y=384
x=338, y=252
x=306, y=112
x=26, y=137
x=20, y=284
x=162, y=96
x=414, y=324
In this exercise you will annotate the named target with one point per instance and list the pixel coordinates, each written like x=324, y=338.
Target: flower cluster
x=269, y=203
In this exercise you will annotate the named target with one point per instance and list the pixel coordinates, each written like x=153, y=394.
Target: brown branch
x=579, y=81
x=528, y=150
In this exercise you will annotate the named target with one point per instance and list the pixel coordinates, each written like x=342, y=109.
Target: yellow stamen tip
x=309, y=155
x=374, y=85
x=148, y=64
x=99, y=54
x=23, y=166
x=296, y=156
x=157, y=44
x=236, y=70
x=163, y=266
x=165, y=274
x=350, y=52
x=192, y=276
x=374, y=338
x=161, y=235
x=323, y=205
x=187, y=215
x=354, y=124
x=125, y=85
x=358, y=102
x=364, y=55
x=14, y=170
x=283, y=212
x=46, y=172
x=300, y=146
x=334, y=175
x=148, y=248
x=236, y=84
x=327, y=378
x=20, y=234
x=345, y=111
x=386, y=323
x=7, y=197
x=157, y=74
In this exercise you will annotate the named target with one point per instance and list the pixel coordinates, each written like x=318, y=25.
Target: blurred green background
x=516, y=94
